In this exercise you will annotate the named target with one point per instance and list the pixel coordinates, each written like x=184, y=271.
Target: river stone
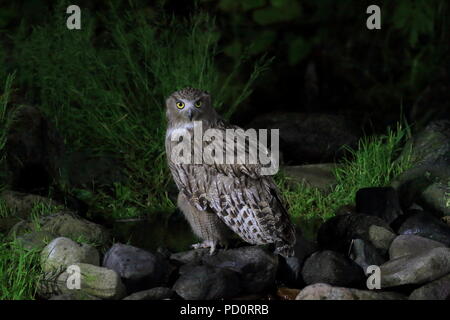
x=290, y=268
x=381, y=238
x=67, y=224
x=99, y=282
x=21, y=204
x=404, y=245
x=138, y=268
x=365, y=254
x=418, y=269
x=63, y=252
x=77, y=295
x=190, y=256
x=424, y=224
x=323, y=291
x=436, y=290
x=256, y=266
x=332, y=268
x=36, y=240
x=436, y=198
x=381, y=202
x=429, y=152
x=338, y=232
x=319, y=176
x=207, y=283
x=158, y=293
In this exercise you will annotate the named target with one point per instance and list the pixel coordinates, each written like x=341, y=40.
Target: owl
x=219, y=199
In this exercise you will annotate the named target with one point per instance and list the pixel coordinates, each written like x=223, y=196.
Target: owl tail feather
x=284, y=249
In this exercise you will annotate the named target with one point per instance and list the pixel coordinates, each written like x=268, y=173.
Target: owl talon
x=206, y=244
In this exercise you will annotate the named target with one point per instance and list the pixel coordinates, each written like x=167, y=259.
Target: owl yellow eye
x=198, y=103
x=180, y=105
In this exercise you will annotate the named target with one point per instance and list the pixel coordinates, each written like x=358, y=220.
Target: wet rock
x=423, y=224
x=312, y=175
x=436, y=290
x=36, y=240
x=418, y=269
x=404, y=245
x=34, y=151
x=381, y=202
x=338, y=232
x=308, y=137
x=191, y=256
x=207, y=283
x=289, y=269
x=256, y=266
x=96, y=281
x=381, y=238
x=332, y=268
x=158, y=293
x=138, y=268
x=323, y=291
x=429, y=151
x=365, y=254
x=287, y=293
x=63, y=252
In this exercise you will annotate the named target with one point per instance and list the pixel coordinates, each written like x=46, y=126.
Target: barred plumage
x=216, y=196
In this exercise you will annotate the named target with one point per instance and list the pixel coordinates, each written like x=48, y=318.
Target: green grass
x=372, y=164
x=19, y=271
x=106, y=93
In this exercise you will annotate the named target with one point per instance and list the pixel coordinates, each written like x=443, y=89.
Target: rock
x=446, y=220
x=287, y=293
x=309, y=137
x=63, y=252
x=323, y=291
x=429, y=151
x=319, y=176
x=36, y=240
x=381, y=238
x=77, y=295
x=207, y=283
x=22, y=204
x=338, y=232
x=158, y=293
x=436, y=290
x=256, y=266
x=365, y=254
x=423, y=224
x=138, y=268
x=332, y=268
x=289, y=269
x=96, y=281
x=418, y=269
x=436, y=198
x=381, y=202
x=404, y=245
x=67, y=224
x=191, y=256
x=34, y=150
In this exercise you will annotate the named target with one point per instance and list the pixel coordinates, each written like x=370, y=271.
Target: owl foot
x=206, y=244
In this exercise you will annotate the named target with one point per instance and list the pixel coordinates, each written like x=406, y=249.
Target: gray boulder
x=206, y=283
x=405, y=245
x=418, y=269
x=436, y=290
x=63, y=252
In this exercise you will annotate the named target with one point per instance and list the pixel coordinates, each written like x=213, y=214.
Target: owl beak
x=190, y=114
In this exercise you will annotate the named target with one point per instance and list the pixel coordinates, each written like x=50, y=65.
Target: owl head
x=189, y=104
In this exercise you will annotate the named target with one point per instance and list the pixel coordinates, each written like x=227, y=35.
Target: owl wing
x=247, y=202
